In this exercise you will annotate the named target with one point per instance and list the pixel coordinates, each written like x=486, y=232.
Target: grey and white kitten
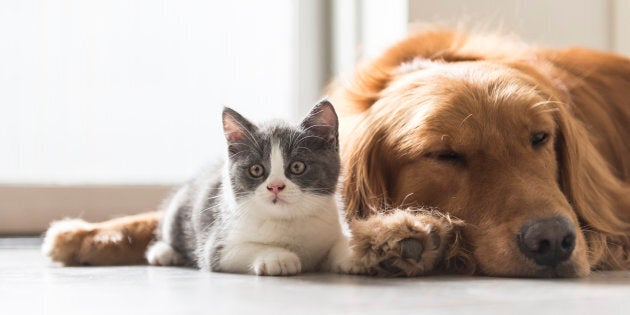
x=270, y=209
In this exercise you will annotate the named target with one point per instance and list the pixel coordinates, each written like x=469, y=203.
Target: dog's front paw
x=411, y=256
x=277, y=263
x=402, y=243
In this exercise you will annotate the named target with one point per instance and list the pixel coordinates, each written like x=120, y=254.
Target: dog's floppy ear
x=365, y=183
x=589, y=184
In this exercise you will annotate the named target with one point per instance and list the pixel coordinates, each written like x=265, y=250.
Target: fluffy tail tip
x=63, y=239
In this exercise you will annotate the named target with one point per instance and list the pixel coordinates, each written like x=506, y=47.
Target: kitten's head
x=283, y=170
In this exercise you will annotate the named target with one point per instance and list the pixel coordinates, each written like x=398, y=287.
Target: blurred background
x=105, y=105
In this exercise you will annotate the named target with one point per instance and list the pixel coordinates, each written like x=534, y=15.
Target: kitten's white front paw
x=277, y=263
x=162, y=254
x=348, y=266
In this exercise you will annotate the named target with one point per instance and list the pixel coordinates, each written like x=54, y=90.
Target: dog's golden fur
x=121, y=241
x=483, y=97
x=444, y=120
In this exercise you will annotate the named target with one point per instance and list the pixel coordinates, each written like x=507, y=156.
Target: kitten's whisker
x=313, y=126
x=309, y=137
x=248, y=133
x=308, y=149
x=243, y=151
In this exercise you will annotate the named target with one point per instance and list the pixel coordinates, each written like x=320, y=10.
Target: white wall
x=363, y=28
x=621, y=26
x=600, y=24
x=130, y=91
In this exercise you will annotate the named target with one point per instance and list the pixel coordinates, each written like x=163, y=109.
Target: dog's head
x=492, y=144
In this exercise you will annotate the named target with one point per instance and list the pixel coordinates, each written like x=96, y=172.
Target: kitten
x=270, y=209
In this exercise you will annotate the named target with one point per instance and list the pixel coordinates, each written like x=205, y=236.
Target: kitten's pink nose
x=275, y=187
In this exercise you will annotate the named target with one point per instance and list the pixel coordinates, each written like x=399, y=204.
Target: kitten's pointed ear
x=236, y=127
x=322, y=121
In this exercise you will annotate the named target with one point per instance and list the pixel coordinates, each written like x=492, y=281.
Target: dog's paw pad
x=389, y=266
x=435, y=239
x=412, y=255
x=411, y=248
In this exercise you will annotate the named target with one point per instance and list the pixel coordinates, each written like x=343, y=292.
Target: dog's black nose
x=548, y=241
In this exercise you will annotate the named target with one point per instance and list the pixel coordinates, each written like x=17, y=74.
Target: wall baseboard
x=29, y=209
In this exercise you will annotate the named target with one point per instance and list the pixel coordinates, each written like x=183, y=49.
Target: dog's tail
x=120, y=241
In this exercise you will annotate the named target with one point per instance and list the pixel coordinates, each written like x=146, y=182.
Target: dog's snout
x=548, y=241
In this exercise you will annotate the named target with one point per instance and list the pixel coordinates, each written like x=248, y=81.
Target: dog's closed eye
x=447, y=156
x=538, y=139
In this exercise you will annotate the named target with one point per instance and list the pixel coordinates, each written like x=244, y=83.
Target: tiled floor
x=31, y=285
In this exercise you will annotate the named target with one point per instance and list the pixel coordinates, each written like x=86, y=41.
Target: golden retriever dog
x=462, y=154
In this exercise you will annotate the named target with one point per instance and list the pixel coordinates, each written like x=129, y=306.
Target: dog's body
x=527, y=148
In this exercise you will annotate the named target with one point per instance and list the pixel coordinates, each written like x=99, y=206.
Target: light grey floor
x=31, y=285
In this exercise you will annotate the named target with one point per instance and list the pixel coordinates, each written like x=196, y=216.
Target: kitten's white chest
x=310, y=237
x=284, y=224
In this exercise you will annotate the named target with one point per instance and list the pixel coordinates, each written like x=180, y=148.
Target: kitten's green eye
x=256, y=170
x=297, y=168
